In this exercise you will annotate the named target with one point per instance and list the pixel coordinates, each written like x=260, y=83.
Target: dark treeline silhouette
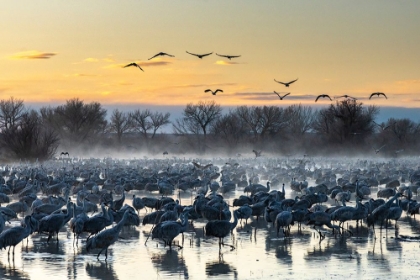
x=346, y=128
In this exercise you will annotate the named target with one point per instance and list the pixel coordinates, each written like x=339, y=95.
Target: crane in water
x=137, y=203
x=380, y=214
x=168, y=230
x=318, y=219
x=106, y=238
x=13, y=236
x=54, y=222
x=221, y=228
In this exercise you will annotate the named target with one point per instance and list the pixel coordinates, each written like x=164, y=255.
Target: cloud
x=32, y=55
x=91, y=59
x=222, y=62
x=81, y=75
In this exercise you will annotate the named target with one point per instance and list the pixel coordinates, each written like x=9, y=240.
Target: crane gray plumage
x=13, y=236
x=380, y=214
x=137, y=203
x=106, y=238
x=284, y=220
x=395, y=213
x=118, y=203
x=98, y=222
x=318, y=219
x=77, y=224
x=54, y=222
x=221, y=229
x=168, y=230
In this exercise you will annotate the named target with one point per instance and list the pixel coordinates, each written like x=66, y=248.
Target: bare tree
x=76, y=121
x=300, y=119
x=197, y=120
x=230, y=129
x=263, y=121
x=147, y=123
x=28, y=138
x=159, y=120
x=11, y=112
x=120, y=124
x=346, y=122
x=399, y=134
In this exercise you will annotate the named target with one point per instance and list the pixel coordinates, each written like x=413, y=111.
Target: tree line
x=344, y=128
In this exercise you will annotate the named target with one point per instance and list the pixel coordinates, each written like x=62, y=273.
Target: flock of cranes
x=44, y=196
x=286, y=84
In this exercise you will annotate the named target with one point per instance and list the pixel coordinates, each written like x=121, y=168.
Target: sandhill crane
x=13, y=236
x=161, y=54
x=319, y=219
x=137, y=203
x=323, y=96
x=77, y=224
x=168, y=230
x=199, y=55
x=380, y=214
x=221, y=229
x=378, y=94
x=257, y=153
x=346, y=96
x=281, y=96
x=283, y=220
x=286, y=84
x=228, y=56
x=106, y=238
x=213, y=92
x=54, y=222
x=98, y=222
x=133, y=64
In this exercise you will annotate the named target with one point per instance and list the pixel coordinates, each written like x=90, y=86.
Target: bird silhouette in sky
x=199, y=55
x=286, y=84
x=213, y=92
x=281, y=97
x=161, y=54
x=228, y=56
x=378, y=94
x=346, y=96
x=323, y=96
x=134, y=64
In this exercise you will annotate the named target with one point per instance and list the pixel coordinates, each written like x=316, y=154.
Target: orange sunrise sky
x=53, y=51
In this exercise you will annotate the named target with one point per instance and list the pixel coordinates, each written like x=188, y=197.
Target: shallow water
x=258, y=254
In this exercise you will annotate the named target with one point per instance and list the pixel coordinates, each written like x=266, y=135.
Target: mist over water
x=259, y=253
